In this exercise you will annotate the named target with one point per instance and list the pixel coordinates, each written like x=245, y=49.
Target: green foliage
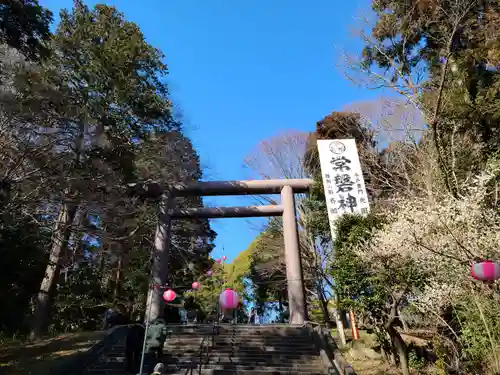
x=210, y=289
x=352, y=281
x=415, y=361
x=318, y=222
x=479, y=322
x=79, y=301
x=23, y=255
x=24, y=25
x=237, y=271
x=229, y=275
x=266, y=271
x=315, y=313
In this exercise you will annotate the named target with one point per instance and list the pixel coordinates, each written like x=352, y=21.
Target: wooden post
x=354, y=325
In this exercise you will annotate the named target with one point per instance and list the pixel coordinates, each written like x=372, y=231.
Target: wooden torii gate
x=287, y=188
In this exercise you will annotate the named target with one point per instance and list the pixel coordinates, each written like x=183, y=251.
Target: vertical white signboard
x=343, y=182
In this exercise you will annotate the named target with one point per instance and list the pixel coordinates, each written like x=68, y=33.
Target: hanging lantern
x=195, y=285
x=210, y=273
x=169, y=295
x=486, y=270
x=224, y=257
x=229, y=299
x=218, y=260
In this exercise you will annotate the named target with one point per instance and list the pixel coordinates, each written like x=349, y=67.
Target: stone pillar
x=296, y=299
x=159, y=264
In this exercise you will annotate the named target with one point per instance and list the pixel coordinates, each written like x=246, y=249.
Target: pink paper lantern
x=224, y=257
x=218, y=260
x=210, y=273
x=195, y=285
x=486, y=270
x=169, y=295
x=229, y=299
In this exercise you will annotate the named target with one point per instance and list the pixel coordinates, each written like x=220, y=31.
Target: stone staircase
x=236, y=349
x=110, y=362
x=242, y=349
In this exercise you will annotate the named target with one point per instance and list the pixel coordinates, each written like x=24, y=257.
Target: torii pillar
x=294, y=274
x=287, y=189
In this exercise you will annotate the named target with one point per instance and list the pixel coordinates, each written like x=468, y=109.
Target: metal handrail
x=200, y=356
x=205, y=348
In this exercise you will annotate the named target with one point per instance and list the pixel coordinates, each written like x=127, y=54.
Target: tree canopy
x=86, y=113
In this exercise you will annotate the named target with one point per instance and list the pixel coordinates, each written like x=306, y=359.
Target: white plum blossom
x=442, y=238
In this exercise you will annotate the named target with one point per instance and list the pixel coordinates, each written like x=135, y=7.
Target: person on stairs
x=133, y=347
x=251, y=316
x=159, y=369
x=155, y=340
x=109, y=316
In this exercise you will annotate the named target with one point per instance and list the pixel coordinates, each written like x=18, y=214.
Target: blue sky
x=242, y=71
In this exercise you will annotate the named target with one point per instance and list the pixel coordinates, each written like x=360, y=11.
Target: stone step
x=245, y=338
x=254, y=361
x=245, y=355
x=239, y=341
x=225, y=368
x=108, y=369
x=211, y=372
x=223, y=337
x=256, y=329
x=238, y=367
x=238, y=334
x=245, y=372
x=194, y=336
x=227, y=359
x=250, y=350
x=246, y=351
x=242, y=342
x=251, y=368
x=241, y=346
x=243, y=326
x=238, y=328
x=281, y=355
x=259, y=337
x=270, y=342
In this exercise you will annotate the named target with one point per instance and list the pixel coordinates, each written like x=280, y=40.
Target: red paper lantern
x=169, y=295
x=218, y=260
x=195, y=285
x=229, y=299
x=224, y=257
x=210, y=273
x=486, y=270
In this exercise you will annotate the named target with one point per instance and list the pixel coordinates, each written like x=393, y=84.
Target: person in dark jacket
x=109, y=314
x=133, y=347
